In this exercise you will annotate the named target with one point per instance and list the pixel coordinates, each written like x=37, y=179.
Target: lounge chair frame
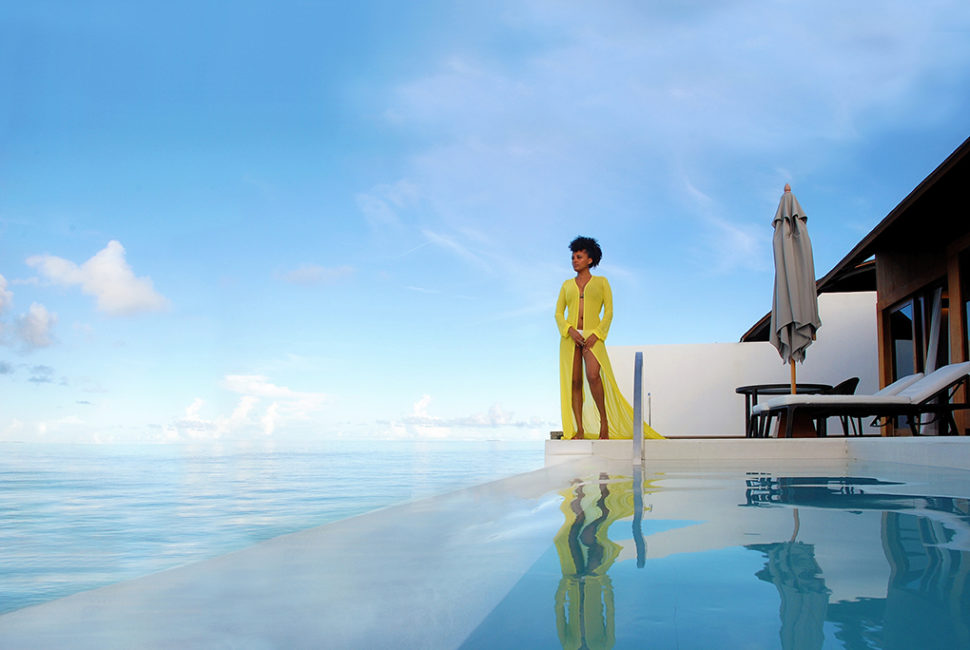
x=938, y=405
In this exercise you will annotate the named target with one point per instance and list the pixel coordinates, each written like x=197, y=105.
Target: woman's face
x=581, y=260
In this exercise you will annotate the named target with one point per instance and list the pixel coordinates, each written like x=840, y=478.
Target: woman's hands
x=577, y=337
x=585, y=344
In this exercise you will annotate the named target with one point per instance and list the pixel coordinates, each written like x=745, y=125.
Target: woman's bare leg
x=596, y=388
x=577, y=390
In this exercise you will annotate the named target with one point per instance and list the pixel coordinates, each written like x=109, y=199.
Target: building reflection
x=927, y=602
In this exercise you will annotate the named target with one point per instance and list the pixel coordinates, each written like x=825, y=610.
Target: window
x=902, y=333
x=919, y=327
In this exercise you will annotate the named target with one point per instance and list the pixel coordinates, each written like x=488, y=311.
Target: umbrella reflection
x=792, y=568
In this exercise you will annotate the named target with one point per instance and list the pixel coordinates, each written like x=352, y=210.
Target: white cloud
x=193, y=425
x=260, y=386
x=313, y=274
x=420, y=408
x=596, y=124
x=449, y=244
x=6, y=296
x=495, y=417
x=271, y=419
x=383, y=203
x=249, y=418
x=108, y=277
x=725, y=245
x=34, y=328
x=288, y=405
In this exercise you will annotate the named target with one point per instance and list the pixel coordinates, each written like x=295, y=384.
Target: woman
x=584, y=312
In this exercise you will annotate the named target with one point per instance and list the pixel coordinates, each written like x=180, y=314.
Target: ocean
x=77, y=517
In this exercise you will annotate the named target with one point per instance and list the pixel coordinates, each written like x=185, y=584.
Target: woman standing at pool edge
x=584, y=312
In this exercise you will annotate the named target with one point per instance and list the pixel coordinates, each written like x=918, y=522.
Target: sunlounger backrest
x=935, y=382
x=900, y=384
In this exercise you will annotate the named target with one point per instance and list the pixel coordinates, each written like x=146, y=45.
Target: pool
x=748, y=559
x=586, y=553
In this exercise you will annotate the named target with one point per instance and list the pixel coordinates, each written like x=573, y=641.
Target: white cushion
x=900, y=384
x=934, y=382
x=834, y=400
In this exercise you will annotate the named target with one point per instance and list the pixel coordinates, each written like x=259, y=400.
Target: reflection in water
x=804, y=597
x=584, y=599
x=927, y=601
x=585, y=609
x=840, y=562
x=641, y=546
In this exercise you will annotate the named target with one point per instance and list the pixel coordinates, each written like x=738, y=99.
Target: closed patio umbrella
x=794, y=308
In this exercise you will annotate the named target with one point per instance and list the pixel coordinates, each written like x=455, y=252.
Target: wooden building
x=918, y=261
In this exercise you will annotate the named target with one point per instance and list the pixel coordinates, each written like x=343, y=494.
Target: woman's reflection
x=584, y=599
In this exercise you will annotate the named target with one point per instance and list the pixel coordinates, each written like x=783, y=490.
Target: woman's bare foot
x=580, y=435
x=605, y=433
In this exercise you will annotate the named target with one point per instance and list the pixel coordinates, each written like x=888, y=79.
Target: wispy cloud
x=457, y=248
x=41, y=374
x=608, y=114
x=107, y=277
x=316, y=275
x=383, y=204
x=493, y=418
x=422, y=290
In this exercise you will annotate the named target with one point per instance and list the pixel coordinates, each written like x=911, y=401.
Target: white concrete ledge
x=930, y=451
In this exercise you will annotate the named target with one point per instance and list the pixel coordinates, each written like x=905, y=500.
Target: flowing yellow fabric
x=597, y=317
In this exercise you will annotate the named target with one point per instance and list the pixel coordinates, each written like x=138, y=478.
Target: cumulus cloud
x=34, y=328
x=271, y=419
x=262, y=409
x=107, y=277
x=313, y=274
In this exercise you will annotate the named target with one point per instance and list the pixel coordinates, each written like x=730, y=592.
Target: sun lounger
x=762, y=425
x=911, y=396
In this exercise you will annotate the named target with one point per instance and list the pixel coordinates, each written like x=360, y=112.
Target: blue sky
x=305, y=220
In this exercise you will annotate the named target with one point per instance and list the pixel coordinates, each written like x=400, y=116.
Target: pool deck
x=424, y=574
x=949, y=451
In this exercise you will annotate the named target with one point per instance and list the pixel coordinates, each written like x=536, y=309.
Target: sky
x=307, y=220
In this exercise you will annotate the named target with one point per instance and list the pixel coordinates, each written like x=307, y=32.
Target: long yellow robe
x=597, y=317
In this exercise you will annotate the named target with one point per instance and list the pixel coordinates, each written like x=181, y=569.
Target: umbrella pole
x=791, y=362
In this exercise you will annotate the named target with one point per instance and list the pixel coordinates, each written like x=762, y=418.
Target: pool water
x=878, y=558
x=588, y=553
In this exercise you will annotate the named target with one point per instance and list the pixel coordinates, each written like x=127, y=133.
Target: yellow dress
x=597, y=316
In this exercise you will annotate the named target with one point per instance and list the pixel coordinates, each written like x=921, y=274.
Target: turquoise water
x=750, y=560
x=76, y=517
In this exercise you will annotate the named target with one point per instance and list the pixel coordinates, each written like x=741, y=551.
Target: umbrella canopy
x=794, y=309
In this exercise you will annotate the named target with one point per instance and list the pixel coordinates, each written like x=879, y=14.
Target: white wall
x=692, y=386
